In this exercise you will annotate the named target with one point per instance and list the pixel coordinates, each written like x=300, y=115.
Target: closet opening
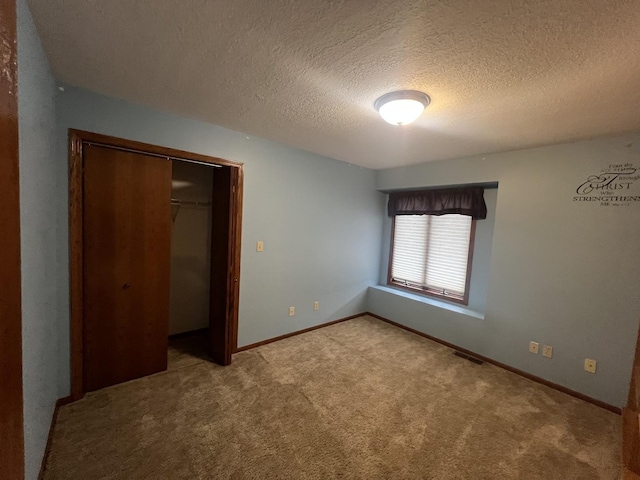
x=155, y=238
x=190, y=277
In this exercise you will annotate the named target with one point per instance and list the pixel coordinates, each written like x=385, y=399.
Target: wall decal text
x=611, y=187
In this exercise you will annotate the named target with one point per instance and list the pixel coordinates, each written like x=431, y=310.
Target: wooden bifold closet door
x=126, y=261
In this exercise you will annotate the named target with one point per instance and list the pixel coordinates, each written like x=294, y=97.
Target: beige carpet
x=360, y=399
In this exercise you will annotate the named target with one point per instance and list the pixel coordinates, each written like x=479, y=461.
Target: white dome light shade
x=402, y=107
x=401, y=112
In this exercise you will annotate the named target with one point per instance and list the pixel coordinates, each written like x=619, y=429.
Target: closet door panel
x=127, y=235
x=221, y=283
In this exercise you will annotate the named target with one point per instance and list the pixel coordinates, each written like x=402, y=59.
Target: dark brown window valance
x=463, y=201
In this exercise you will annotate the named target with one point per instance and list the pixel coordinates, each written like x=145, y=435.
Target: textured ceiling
x=502, y=75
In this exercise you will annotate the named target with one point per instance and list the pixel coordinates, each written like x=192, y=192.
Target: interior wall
x=564, y=268
x=39, y=194
x=190, y=247
x=320, y=219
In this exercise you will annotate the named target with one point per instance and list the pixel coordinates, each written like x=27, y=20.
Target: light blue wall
x=563, y=273
x=320, y=219
x=39, y=170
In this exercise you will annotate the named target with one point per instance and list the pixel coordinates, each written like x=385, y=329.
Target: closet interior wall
x=191, y=198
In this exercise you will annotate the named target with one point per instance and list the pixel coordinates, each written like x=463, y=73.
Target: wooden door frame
x=11, y=396
x=76, y=140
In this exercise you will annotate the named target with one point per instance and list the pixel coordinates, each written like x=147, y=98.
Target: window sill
x=429, y=294
x=429, y=300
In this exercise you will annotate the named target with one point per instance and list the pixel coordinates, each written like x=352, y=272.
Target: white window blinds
x=431, y=252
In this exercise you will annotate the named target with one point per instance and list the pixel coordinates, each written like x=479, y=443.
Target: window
x=432, y=255
x=432, y=239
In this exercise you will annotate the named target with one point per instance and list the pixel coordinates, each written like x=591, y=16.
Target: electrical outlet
x=316, y=306
x=292, y=311
x=547, y=351
x=259, y=246
x=533, y=347
x=590, y=365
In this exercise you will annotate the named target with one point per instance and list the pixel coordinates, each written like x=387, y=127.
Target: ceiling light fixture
x=402, y=107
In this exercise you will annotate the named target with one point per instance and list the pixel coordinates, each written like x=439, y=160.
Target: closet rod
x=131, y=150
x=175, y=201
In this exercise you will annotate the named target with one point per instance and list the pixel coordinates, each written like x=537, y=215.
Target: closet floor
x=187, y=350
